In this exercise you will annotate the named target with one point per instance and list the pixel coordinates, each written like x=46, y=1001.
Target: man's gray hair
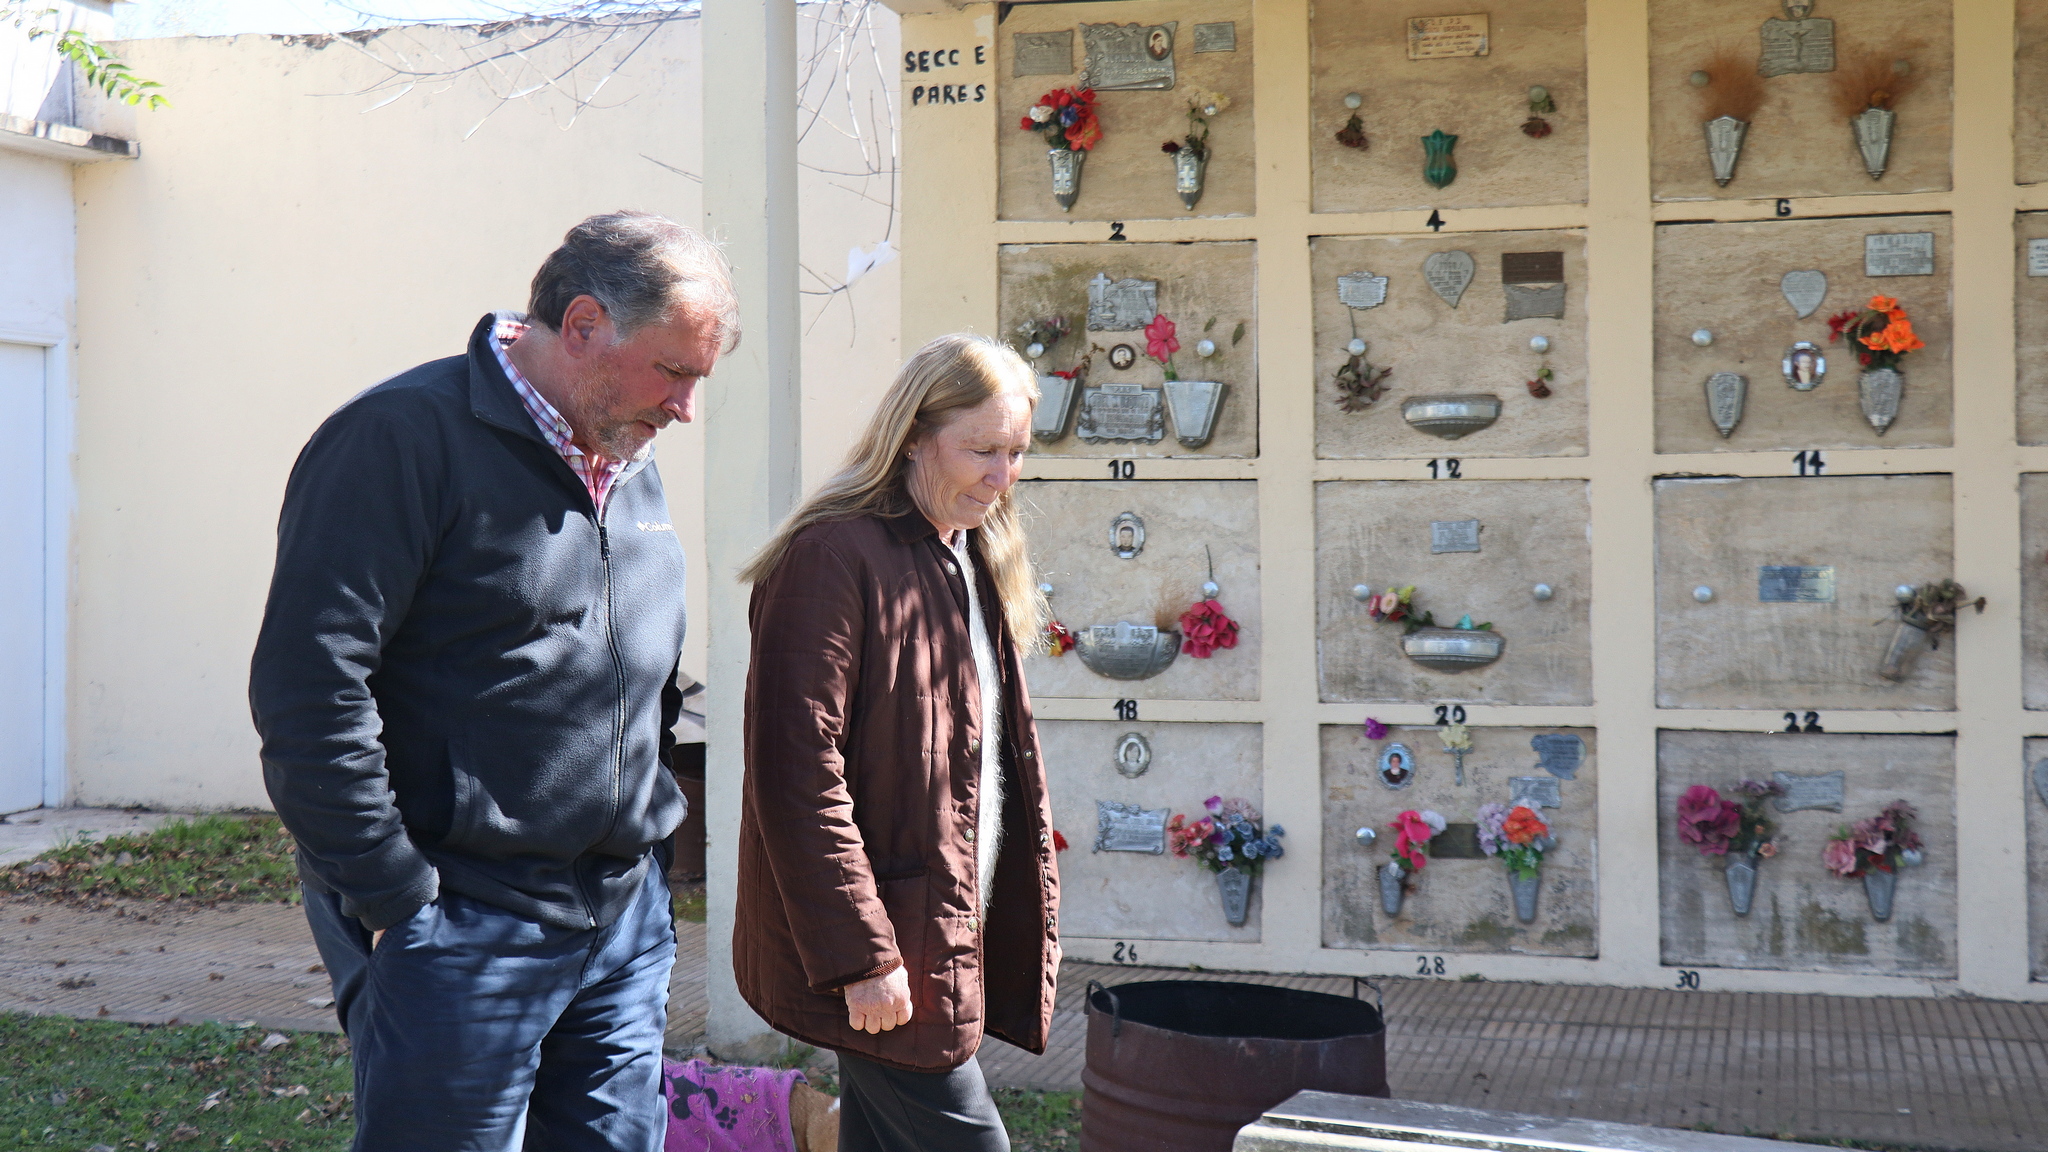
x=640, y=267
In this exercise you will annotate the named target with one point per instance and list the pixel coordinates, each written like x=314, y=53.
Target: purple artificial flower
x=1374, y=730
x=1213, y=803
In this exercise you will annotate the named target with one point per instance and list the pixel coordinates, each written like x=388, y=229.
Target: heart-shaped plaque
x=1449, y=274
x=1804, y=290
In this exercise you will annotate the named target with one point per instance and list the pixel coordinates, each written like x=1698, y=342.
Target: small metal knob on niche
x=1542, y=592
x=1366, y=837
x=1361, y=592
x=1703, y=593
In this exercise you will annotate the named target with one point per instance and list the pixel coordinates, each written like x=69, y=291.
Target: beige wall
x=283, y=245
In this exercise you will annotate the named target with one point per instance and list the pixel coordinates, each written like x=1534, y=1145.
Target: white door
x=21, y=579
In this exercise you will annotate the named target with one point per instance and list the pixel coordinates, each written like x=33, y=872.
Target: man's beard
x=613, y=435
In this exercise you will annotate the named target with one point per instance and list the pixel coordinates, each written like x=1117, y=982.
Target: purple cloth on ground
x=727, y=1108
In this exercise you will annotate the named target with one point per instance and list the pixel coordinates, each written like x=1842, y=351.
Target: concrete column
x=751, y=461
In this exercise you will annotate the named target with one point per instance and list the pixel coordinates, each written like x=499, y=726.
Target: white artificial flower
x=1434, y=819
x=1040, y=113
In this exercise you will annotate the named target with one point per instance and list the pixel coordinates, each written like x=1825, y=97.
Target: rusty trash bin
x=1181, y=1065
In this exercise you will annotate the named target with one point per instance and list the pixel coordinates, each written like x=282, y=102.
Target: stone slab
x=1435, y=348
x=2034, y=590
x=26, y=835
x=1361, y=46
x=1737, y=652
x=1328, y=1121
x=1798, y=143
x=1726, y=277
x=1804, y=918
x=1455, y=905
x=2030, y=318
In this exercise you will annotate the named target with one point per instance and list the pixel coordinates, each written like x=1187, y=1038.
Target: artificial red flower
x=1085, y=132
x=1523, y=826
x=1058, y=638
x=1159, y=341
x=1059, y=842
x=1204, y=628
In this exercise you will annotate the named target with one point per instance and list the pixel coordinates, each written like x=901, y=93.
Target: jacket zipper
x=611, y=640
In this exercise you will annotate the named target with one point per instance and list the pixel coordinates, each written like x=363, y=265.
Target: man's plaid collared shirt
x=596, y=472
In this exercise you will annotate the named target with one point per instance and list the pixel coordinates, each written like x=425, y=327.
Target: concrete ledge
x=1326, y=1120
x=62, y=141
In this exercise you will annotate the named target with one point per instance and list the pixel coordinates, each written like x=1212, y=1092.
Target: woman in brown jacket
x=897, y=892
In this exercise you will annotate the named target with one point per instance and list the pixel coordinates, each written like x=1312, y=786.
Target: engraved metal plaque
x=2041, y=780
x=1397, y=766
x=1216, y=37
x=1725, y=393
x=1534, y=302
x=1898, y=254
x=1121, y=305
x=1804, y=290
x=1362, y=289
x=1449, y=274
x=2037, y=257
x=1126, y=535
x=1042, y=53
x=1879, y=391
x=1454, y=535
x=1823, y=791
x=1128, y=57
x=1457, y=842
x=1531, y=267
x=1447, y=37
x=1535, y=792
x=1129, y=828
x=1125, y=412
x=1559, y=753
x=1805, y=45
x=1796, y=584
x=1133, y=755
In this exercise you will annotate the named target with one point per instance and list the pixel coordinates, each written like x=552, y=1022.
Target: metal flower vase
x=1742, y=882
x=1066, y=176
x=1881, y=390
x=1453, y=649
x=1235, y=886
x=1879, y=886
x=1873, y=128
x=1438, y=167
x=1187, y=176
x=1907, y=643
x=1391, y=888
x=1724, y=146
x=1525, y=889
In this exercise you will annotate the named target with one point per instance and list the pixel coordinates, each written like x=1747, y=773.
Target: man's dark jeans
x=477, y=1030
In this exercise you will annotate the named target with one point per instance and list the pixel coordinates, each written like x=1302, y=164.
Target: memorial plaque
x=1532, y=302
x=1042, y=53
x=1559, y=753
x=1129, y=828
x=2041, y=780
x=1454, y=535
x=1133, y=756
x=1128, y=57
x=1531, y=267
x=1449, y=274
x=1898, y=254
x=1121, y=412
x=1121, y=305
x=1797, y=45
x=1795, y=584
x=1457, y=842
x=2037, y=257
x=1362, y=289
x=1823, y=791
x=1535, y=792
x=1216, y=37
x=1446, y=37
x=1804, y=290
x=1726, y=392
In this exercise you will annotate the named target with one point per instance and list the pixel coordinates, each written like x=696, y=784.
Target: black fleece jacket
x=465, y=674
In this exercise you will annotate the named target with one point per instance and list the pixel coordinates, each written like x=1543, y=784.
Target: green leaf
x=1210, y=324
x=1237, y=334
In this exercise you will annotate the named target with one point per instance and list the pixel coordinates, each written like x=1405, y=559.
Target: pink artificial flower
x=1159, y=341
x=1707, y=820
x=1213, y=803
x=1204, y=628
x=1411, y=838
x=1840, y=857
x=1374, y=730
x=1767, y=850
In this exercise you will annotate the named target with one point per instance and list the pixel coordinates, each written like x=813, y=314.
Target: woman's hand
x=879, y=1004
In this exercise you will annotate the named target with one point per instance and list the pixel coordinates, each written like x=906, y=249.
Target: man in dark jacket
x=464, y=682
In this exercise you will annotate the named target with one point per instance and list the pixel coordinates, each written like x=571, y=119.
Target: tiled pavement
x=1950, y=1073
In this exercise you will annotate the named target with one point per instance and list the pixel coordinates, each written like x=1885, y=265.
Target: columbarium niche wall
x=1459, y=902
x=1729, y=281
x=2030, y=92
x=1506, y=153
x=2036, y=803
x=1804, y=918
x=1126, y=176
x=1479, y=547
x=1479, y=314
x=1799, y=141
x=1764, y=603
x=2030, y=320
x=2034, y=589
x=1079, y=532
x=1108, y=293
x=1136, y=895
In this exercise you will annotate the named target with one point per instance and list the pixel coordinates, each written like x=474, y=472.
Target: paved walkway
x=26, y=835
x=1938, y=1074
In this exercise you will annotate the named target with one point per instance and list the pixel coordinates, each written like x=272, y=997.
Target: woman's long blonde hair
x=940, y=381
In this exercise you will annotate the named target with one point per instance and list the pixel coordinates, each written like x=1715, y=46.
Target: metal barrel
x=1181, y=1065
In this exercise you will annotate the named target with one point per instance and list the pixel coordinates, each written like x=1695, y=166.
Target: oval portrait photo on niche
x=1397, y=766
x=1159, y=45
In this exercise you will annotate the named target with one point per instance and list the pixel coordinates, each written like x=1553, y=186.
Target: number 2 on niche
x=1445, y=469
x=1429, y=965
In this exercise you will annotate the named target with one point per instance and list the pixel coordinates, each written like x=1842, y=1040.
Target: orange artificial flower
x=1523, y=826
x=1883, y=303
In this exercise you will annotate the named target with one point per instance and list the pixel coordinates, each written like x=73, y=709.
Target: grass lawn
x=212, y=859
x=81, y=1084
